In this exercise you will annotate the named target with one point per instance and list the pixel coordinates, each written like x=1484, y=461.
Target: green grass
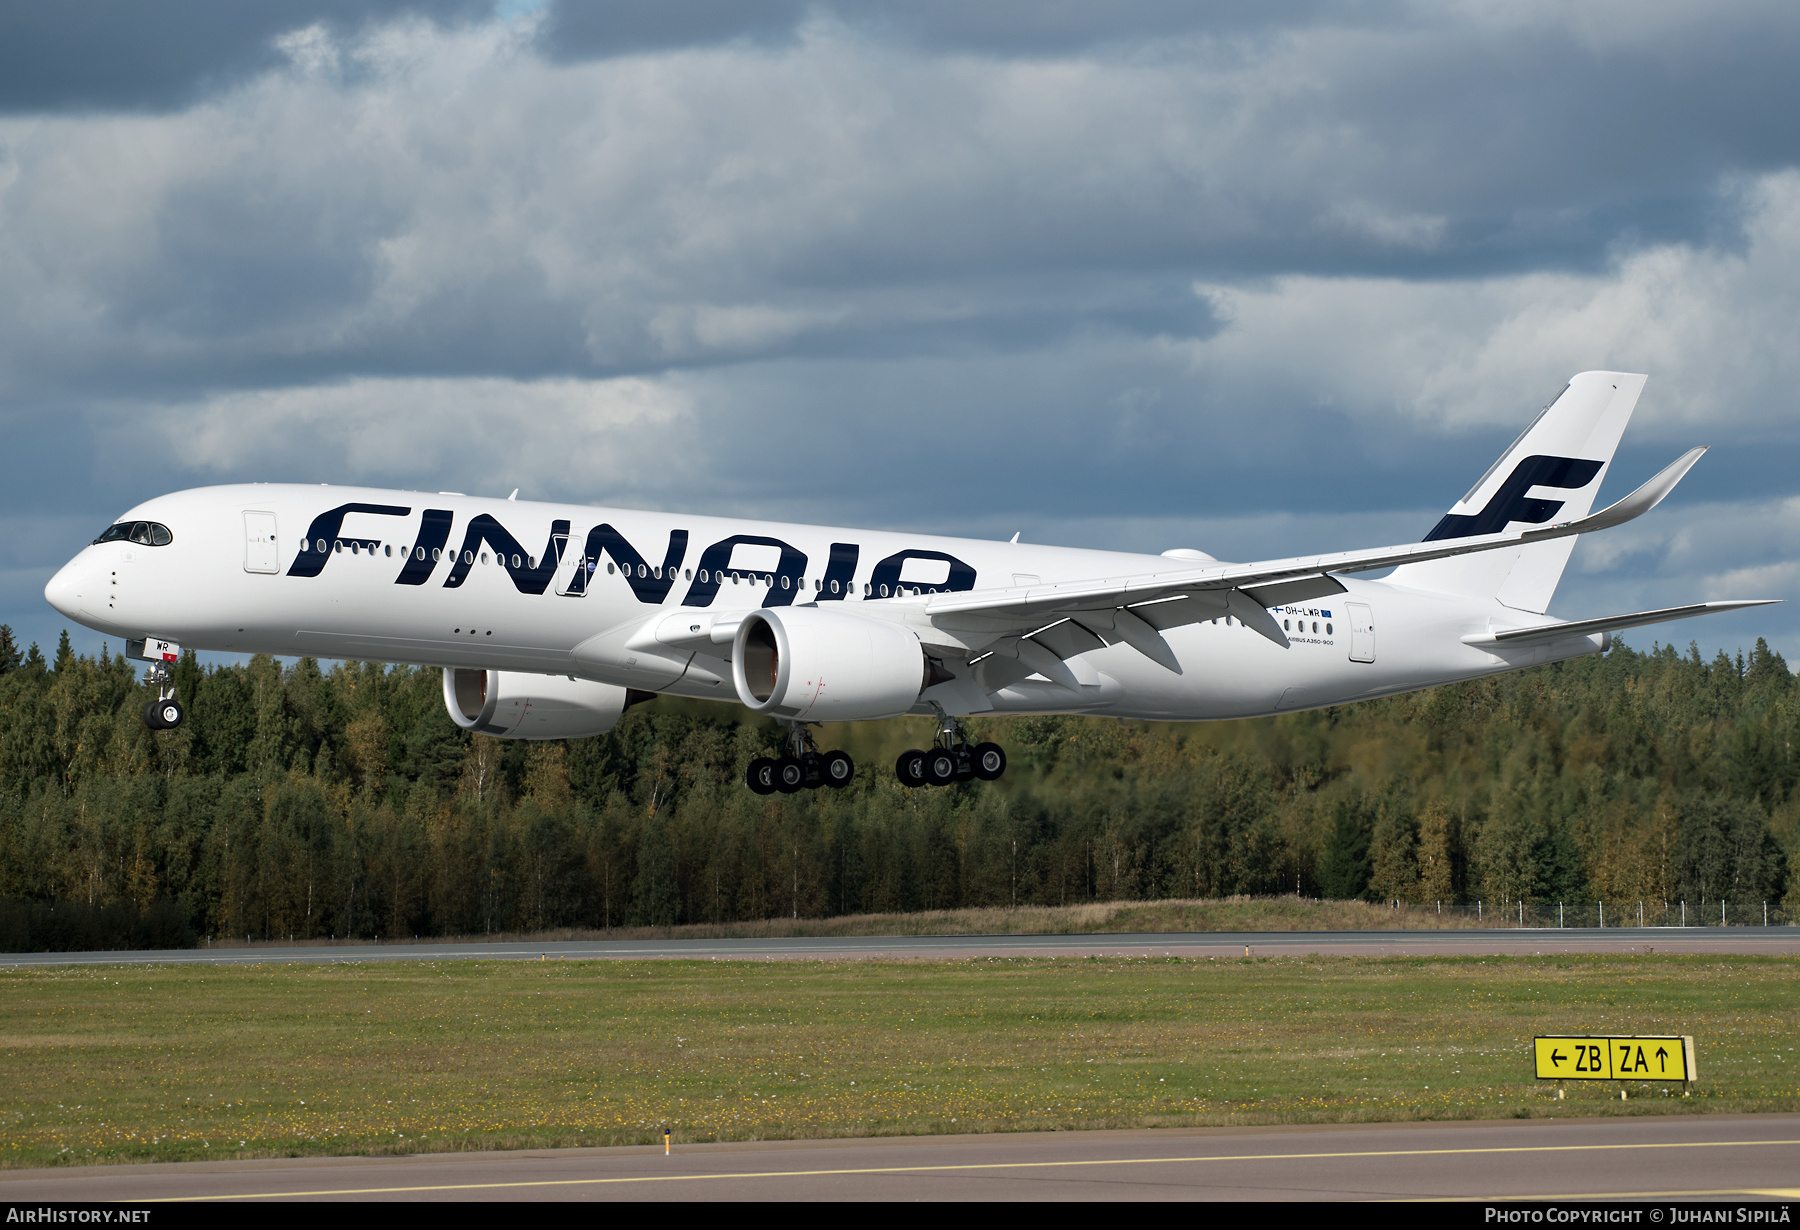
x=1284, y=913
x=148, y=1063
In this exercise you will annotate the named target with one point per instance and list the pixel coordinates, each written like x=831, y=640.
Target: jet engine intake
x=827, y=666
x=517, y=705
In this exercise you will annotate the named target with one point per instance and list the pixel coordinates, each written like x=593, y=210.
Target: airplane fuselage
x=451, y=580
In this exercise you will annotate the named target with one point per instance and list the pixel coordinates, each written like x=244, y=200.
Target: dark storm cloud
x=1252, y=279
x=1537, y=139
x=573, y=30
x=127, y=55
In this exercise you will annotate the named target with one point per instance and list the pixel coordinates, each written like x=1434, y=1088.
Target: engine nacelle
x=516, y=705
x=827, y=666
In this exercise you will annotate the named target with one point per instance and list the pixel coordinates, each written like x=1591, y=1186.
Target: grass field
x=1281, y=913
x=165, y=1063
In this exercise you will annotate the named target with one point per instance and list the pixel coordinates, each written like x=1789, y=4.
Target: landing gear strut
x=952, y=758
x=165, y=712
x=803, y=768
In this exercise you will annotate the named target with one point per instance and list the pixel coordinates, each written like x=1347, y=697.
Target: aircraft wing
x=1042, y=624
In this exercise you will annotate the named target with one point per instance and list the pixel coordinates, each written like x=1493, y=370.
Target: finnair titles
x=549, y=620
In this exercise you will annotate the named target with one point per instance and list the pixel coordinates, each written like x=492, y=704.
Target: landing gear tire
x=940, y=767
x=760, y=776
x=163, y=714
x=953, y=759
x=910, y=769
x=805, y=767
x=837, y=770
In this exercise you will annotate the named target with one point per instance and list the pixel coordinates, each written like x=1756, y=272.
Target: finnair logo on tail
x=1510, y=503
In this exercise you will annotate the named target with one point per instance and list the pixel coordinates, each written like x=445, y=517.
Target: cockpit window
x=148, y=533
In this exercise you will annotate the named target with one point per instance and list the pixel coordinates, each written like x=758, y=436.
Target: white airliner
x=549, y=620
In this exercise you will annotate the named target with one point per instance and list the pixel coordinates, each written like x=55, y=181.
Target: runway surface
x=1514, y=941
x=1671, y=1158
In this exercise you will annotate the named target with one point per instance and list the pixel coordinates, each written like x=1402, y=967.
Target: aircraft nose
x=66, y=588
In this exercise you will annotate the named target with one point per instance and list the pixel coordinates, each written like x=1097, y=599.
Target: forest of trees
x=299, y=801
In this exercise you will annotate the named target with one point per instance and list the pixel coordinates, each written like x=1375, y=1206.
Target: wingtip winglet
x=1645, y=497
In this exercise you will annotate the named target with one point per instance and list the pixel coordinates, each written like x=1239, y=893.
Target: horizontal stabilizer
x=1608, y=623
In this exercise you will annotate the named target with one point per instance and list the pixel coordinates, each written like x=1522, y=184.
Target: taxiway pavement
x=1724, y=1157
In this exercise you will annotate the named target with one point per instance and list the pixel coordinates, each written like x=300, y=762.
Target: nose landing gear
x=165, y=712
x=952, y=759
x=803, y=768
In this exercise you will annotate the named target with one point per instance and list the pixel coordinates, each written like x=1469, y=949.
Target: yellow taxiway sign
x=1578, y=1058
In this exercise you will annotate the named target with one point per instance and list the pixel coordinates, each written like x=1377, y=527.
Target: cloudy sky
x=1258, y=278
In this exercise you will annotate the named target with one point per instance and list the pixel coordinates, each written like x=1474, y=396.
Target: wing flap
x=1068, y=639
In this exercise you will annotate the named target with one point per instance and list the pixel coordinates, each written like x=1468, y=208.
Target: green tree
x=1343, y=871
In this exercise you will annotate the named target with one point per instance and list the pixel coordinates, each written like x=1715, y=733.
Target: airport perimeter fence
x=1552, y=913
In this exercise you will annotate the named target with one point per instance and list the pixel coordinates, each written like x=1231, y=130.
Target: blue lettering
x=528, y=579
x=649, y=584
x=717, y=558
x=324, y=529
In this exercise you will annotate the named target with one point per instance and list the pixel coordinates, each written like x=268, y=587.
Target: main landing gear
x=803, y=768
x=165, y=712
x=953, y=759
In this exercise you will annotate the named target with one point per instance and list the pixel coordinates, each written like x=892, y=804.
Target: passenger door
x=1362, y=632
x=261, y=551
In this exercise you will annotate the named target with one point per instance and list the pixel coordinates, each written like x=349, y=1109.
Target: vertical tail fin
x=1563, y=456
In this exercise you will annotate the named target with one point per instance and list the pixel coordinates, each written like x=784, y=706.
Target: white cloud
x=1713, y=327
x=600, y=435
x=850, y=278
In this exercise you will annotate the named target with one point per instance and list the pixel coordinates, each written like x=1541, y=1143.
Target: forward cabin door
x=260, y=548
x=571, y=577
x=1362, y=633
